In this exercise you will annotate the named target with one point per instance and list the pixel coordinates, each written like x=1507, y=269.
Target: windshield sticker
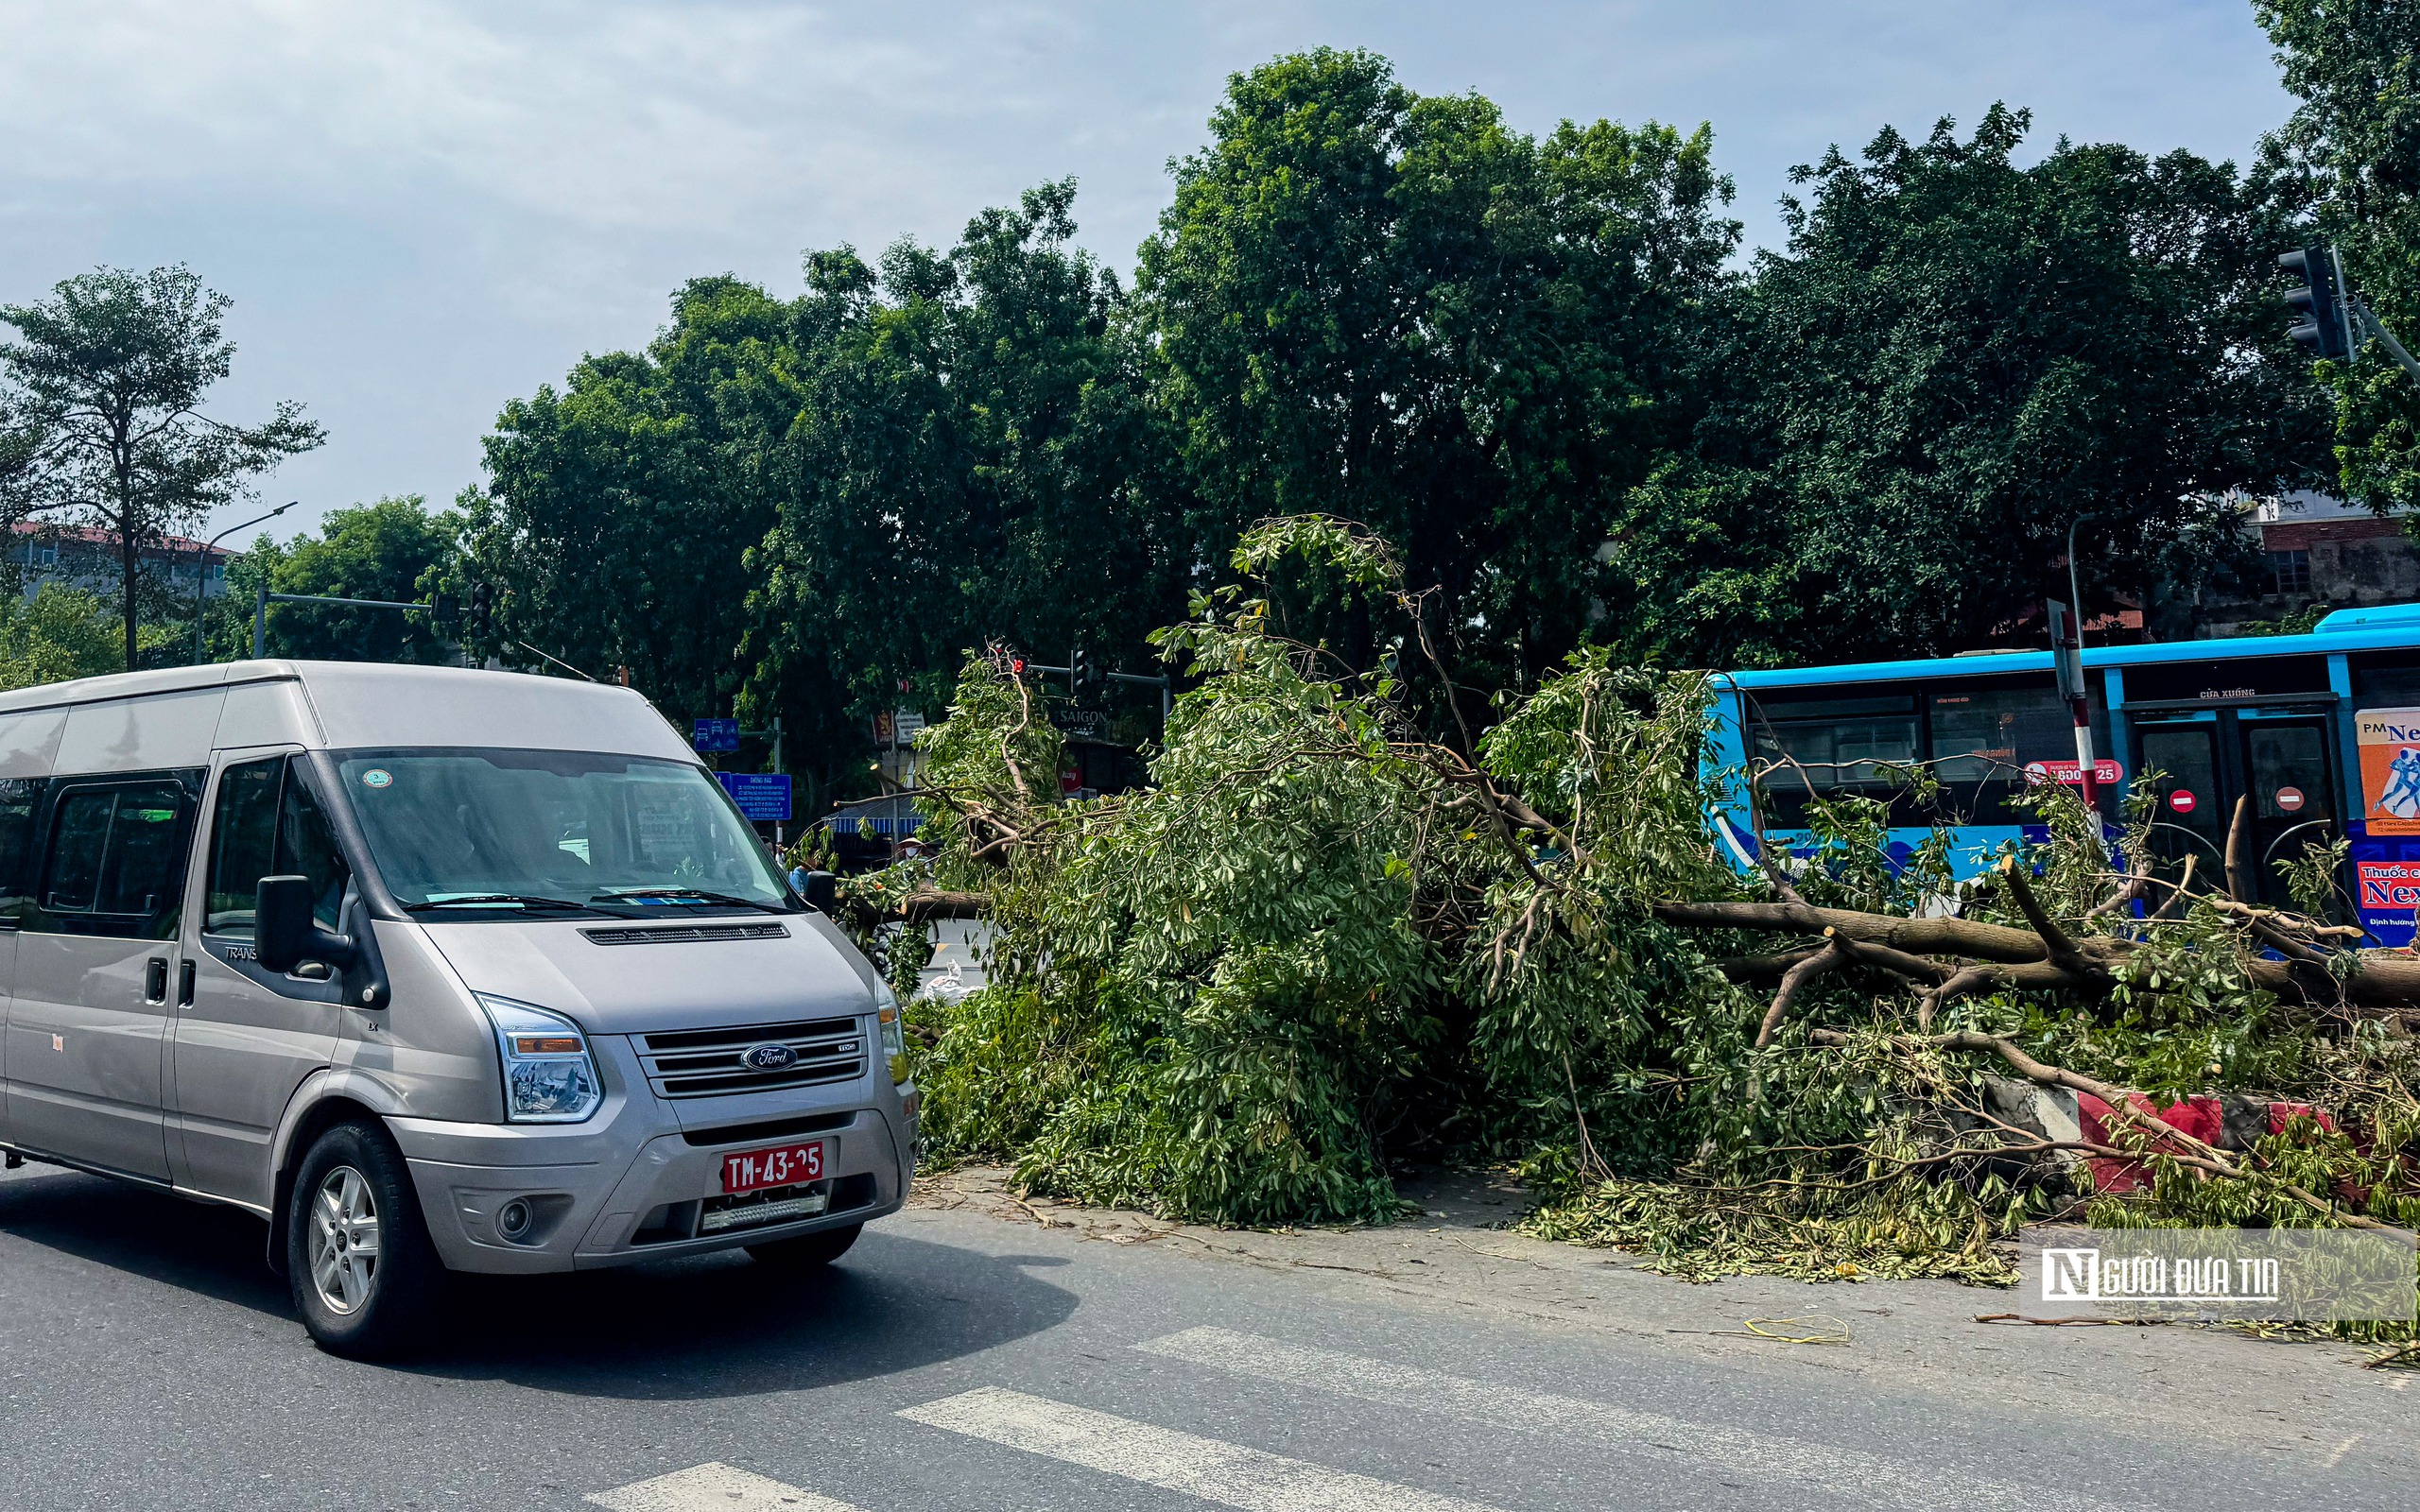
x=377, y=777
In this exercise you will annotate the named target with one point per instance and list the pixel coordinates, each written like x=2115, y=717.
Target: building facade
x=87, y=559
x=2319, y=552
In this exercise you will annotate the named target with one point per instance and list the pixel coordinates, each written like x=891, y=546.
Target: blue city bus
x=2320, y=732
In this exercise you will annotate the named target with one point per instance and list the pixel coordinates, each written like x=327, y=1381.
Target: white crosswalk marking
x=1861, y=1477
x=1228, y=1474
x=718, y=1486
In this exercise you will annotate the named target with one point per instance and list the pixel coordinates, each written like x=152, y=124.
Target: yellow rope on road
x=1814, y=1328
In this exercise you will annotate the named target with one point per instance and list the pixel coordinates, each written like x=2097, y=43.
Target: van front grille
x=712, y=1063
x=685, y=933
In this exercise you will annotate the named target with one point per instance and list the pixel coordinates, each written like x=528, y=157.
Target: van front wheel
x=365, y=1275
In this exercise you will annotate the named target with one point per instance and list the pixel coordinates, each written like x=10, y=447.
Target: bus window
x=1984, y=738
x=1841, y=745
x=2379, y=684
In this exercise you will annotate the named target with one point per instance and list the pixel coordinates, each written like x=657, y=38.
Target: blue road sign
x=764, y=796
x=715, y=734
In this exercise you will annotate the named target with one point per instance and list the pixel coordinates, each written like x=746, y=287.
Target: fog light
x=512, y=1219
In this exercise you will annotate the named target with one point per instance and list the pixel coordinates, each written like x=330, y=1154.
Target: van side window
x=115, y=861
x=269, y=824
x=307, y=846
x=243, y=844
x=20, y=816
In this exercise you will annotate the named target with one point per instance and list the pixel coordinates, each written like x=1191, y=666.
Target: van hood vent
x=686, y=934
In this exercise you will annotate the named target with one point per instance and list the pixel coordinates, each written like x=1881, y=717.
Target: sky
x=425, y=208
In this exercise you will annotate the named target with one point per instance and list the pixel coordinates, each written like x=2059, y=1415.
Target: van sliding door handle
x=184, y=984
x=155, y=979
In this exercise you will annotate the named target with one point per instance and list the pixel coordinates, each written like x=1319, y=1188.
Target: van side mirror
x=283, y=933
x=821, y=892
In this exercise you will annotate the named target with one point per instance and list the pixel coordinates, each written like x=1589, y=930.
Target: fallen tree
x=1342, y=928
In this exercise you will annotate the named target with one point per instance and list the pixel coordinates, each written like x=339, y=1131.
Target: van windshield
x=466, y=832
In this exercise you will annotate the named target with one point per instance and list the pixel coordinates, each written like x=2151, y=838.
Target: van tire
x=354, y=1175
x=807, y=1252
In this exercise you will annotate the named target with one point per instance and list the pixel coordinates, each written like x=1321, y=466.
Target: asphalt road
x=964, y=1356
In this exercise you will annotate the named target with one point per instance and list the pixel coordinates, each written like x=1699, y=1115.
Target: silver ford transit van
x=434, y=969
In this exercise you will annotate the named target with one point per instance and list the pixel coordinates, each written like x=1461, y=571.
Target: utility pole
x=263, y=598
x=201, y=574
x=2079, y=702
x=2066, y=660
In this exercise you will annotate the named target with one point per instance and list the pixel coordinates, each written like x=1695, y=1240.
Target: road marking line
x=717, y=1486
x=1861, y=1477
x=2336, y=1458
x=1228, y=1474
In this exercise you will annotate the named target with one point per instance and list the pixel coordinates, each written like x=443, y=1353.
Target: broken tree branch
x=1917, y=936
x=1796, y=981
x=2239, y=878
x=2060, y=948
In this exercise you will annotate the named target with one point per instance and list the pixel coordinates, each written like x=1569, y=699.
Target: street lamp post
x=202, y=569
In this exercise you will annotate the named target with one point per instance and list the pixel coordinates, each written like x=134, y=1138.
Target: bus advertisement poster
x=2389, y=886
x=2390, y=742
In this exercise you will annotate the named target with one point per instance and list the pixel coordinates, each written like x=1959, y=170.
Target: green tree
x=975, y=462
x=56, y=634
x=2351, y=150
x=618, y=509
x=395, y=550
x=1954, y=359
x=790, y=508
x=1395, y=309
x=100, y=407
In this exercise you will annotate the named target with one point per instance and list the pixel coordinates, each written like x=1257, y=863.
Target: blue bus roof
x=2387, y=627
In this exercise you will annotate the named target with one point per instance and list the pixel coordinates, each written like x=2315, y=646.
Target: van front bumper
x=633, y=1190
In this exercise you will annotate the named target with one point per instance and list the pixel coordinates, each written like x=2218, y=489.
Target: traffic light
x=2318, y=304
x=482, y=611
x=1079, y=673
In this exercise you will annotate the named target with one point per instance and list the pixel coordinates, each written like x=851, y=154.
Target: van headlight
x=894, y=1034
x=549, y=1077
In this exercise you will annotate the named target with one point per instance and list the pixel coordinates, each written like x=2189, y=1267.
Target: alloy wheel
x=344, y=1241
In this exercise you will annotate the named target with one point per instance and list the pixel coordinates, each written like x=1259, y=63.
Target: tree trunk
x=123, y=466
x=126, y=582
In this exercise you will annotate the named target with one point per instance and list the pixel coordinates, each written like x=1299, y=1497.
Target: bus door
x=2208, y=762
x=2191, y=817
x=2286, y=770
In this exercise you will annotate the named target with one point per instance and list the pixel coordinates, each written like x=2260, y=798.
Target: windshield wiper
x=688, y=894
x=490, y=899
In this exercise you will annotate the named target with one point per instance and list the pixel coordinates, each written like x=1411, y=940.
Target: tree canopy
x=1396, y=309
x=1527, y=362
x=1953, y=359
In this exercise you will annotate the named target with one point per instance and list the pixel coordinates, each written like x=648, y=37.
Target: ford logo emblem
x=768, y=1057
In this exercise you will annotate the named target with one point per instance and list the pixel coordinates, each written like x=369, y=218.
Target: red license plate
x=781, y=1166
